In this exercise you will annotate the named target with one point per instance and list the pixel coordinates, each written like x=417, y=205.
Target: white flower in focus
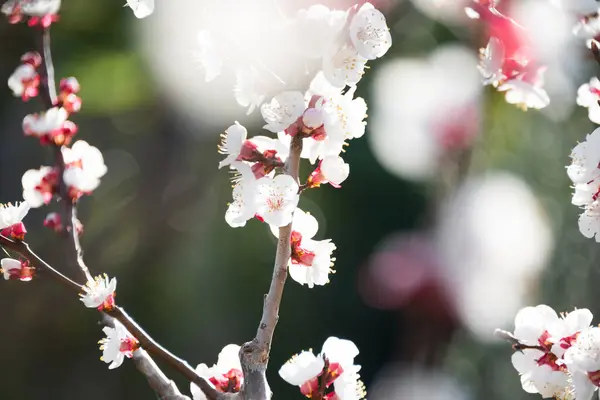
x=99, y=293
x=84, y=166
x=283, y=110
x=46, y=122
x=491, y=61
x=588, y=96
x=589, y=221
x=525, y=94
x=343, y=66
x=301, y=368
x=335, y=170
x=12, y=214
x=349, y=386
x=583, y=361
x=23, y=74
x=585, y=159
x=303, y=223
x=141, y=8
x=38, y=186
x=369, y=32
x=231, y=143
x=318, y=27
x=277, y=199
x=208, y=56
x=226, y=375
x=244, y=205
x=247, y=91
x=317, y=273
x=117, y=345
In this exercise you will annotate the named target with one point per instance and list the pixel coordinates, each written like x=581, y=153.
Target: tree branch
x=254, y=355
x=165, y=388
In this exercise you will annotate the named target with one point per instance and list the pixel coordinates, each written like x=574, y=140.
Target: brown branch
x=254, y=355
x=158, y=381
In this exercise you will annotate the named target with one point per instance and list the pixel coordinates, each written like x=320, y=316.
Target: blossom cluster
x=508, y=62
x=325, y=118
x=557, y=356
x=225, y=376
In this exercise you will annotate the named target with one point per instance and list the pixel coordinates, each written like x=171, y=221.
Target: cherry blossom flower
x=141, y=8
x=369, y=32
x=579, y=7
x=232, y=142
x=283, y=110
x=334, y=365
x=588, y=96
x=332, y=170
x=244, y=205
x=84, y=166
x=583, y=362
x=344, y=66
x=276, y=199
x=24, y=82
x=99, y=293
x=11, y=217
x=311, y=262
x=247, y=89
x=525, y=94
x=225, y=376
x=50, y=126
x=117, y=345
x=53, y=221
x=67, y=96
x=541, y=367
x=39, y=185
x=15, y=269
x=40, y=12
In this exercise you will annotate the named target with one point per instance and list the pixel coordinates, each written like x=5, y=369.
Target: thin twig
x=255, y=355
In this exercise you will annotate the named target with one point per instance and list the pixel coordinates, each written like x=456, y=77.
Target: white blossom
x=23, y=73
x=369, y=32
x=579, y=7
x=525, y=94
x=583, y=362
x=244, y=205
x=46, y=122
x=84, y=166
x=318, y=27
x=32, y=8
x=588, y=96
x=301, y=368
x=491, y=62
x=141, y=8
x=283, y=110
x=8, y=265
x=247, y=89
x=13, y=214
x=117, y=345
x=231, y=143
x=99, y=293
x=334, y=169
x=277, y=199
x=209, y=56
x=343, y=66
x=37, y=191
x=228, y=370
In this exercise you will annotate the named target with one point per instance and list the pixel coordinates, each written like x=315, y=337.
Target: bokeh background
x=456, y=214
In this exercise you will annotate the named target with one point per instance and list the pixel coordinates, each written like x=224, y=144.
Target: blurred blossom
x=550, y=39
x=452, y=11
x=402, y=383
x=494, y=240
x=423, y=108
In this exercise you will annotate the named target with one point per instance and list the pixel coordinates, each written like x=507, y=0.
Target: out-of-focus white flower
x=226, y=376
x=15, y=269
x=39, y=186
x=369, y=32
x=99, y=293
x=588, y=95
x=24, y=81
x=247, y=88
x=117, y=345
x=587, y=28
x=478, y=269
x=283, y=110
x=231, y=143
x=318, y=27
x=45, y=123
x=32, y=8
x=244, y=205
x=13, y=214
x=209, y=56
x=84, y=167
x=579, y=7
x=277, y=199
x=491, y=61
x=525, y=94
x=141, y=8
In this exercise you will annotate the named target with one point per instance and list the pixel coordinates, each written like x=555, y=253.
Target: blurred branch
x=255, y=354
x=515, y=343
